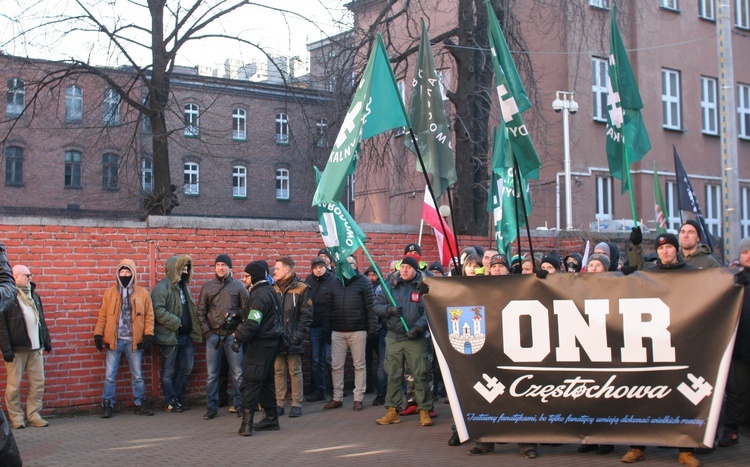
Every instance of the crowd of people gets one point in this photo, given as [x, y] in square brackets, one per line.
[258, 325]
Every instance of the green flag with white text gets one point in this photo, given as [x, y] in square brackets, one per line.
[375, 108]
[430, 124]
[341, 235]
[627, 139]
[513, 100]
[660, 214]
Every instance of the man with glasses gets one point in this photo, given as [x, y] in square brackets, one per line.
[23, 335]
[222, 304]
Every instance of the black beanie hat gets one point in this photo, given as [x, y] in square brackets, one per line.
[695, 225]
[257, 271]
[553, 259]
[224, 258]
[666, 239]
[413, 247]
[411, 261]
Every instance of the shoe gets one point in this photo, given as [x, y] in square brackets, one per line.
[38, 422]
[688, 459]
[633, 455]
[584, 448]
[22, 426]
[173, 407]
[232, 409]
[358, 406]
[433, 414]
[315, 397]
[334, 404]
[379, 400]
[454, 441]
[605, 448]
[106, 409]
[729, 437]
[280, 410]
[183, 405]
[409, 410]
[482, 448]
[529, 453]
[210, 414]
[391, 417]
[246, 427]
[424, 418]
[143, 409]
[268, 423]
[295, 412]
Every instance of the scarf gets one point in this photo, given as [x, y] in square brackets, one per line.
[28, 299]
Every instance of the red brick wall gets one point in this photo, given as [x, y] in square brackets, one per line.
[73, 264]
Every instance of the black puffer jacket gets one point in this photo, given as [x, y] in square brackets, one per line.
[321, 292]
[7, 284]
[263, 301]
[352, 306]
[14, 336]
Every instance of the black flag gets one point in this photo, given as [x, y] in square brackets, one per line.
[687, 200]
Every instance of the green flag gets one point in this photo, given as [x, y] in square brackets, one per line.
[375, 108]
[505, 202]
[341, 235]
[513, 100]
[430, 125]
[660, 214]
[627, 139]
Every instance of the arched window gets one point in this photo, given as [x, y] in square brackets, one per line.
[282, 128]
[192, 121]
[16, 97]
[282, 184]
[192, 172]
[111, 107]
[239, 124]
[72, 169]
[73, 104]
[239, 181]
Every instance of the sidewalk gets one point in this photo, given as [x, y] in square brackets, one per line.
[339, 436]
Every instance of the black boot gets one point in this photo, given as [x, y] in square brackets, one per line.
[106, 409]
[246, 429]
[269, 422]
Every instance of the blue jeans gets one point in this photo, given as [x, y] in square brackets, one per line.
[321, 358]
[213, 362]
[136, 377]
[381, 386]
[176, 365]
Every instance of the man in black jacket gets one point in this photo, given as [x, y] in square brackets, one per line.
[23, 335]
[320, 284]
[261, 330]
[350, 321]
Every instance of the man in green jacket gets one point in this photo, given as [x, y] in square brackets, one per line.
[176, 327]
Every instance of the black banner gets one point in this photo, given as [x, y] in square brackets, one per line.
[594, 358]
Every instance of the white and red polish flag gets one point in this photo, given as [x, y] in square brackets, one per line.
[443, 233]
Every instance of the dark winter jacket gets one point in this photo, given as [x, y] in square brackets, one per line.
[263, 321]
[7, 283]
[297, 312]
[214, 302]
[14, 335]
[407, 296]
[701, 258]
[680, 264]
[742, 341]
[321, 292]
[352, 306]
[168, 307]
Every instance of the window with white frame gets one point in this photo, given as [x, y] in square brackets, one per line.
[742, 14]
[109, 171]
[745, 219]
[673, 207]
[192, 120]
[282, 128]
[145, 119]
[72, 169]
[322, 128]
[604, 198]
[147, 174]
[401, 92]
[743, 110]
[73, 104]
[599, 76]
[16, 97]
[239, 181]
[707, 9]
[331, 84]
[282, 184]
[709, 106]
[111, 107]
[239, 124]
[712, 214]
[191, 171]
[443, 80]
[599, 3]
[668, 4]
[670, 98]
[13, 166]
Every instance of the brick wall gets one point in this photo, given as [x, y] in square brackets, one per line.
[73, 263]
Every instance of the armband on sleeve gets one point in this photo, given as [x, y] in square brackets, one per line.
[255, 315]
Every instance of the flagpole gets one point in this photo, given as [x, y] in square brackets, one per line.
[380, 278]
[516, 180]
[453, 224]
[421, 228]
[432, 194]
[630, 189]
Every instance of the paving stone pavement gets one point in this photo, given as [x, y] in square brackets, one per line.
[339, 437]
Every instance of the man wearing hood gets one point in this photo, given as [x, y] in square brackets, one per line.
[23, 335]
[125, 326]
[320, 284]
[176, 327]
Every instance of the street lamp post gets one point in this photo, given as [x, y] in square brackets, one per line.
[565, 103]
